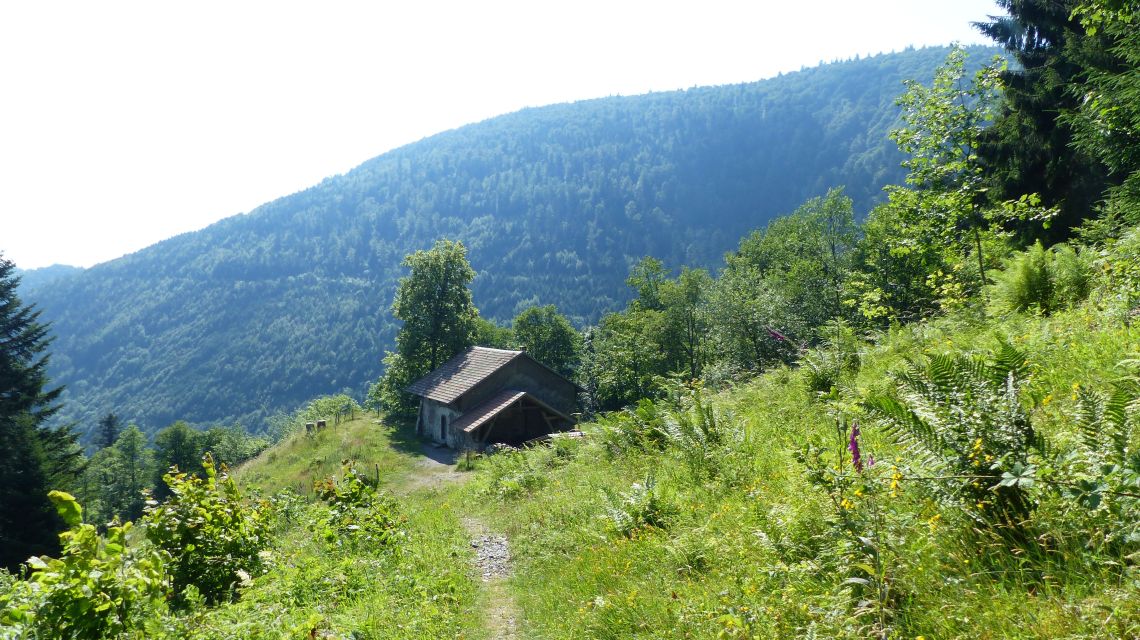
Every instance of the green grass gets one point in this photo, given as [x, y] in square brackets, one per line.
[674, 522]
[749, 547]
[423, 586]
[384, 453]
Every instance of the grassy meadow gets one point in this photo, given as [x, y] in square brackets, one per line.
[752, 522]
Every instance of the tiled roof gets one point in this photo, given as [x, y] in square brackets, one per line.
[458, 375]
[471, 420]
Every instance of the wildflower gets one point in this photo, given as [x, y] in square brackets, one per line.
[895, 478]
[1045, 402]
[933, 522]
[853, 447]
[847, 504]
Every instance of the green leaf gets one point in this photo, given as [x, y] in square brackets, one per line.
[67, 507]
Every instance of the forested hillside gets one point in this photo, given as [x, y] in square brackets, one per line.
[33, 279]
[251, 315]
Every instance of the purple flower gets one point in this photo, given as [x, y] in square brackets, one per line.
[853, 447]
[776, 334]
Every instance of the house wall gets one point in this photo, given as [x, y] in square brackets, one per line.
[524, 374]
[430, 414]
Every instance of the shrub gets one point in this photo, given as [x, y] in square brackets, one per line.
[213, 540]
[513, 473]
[642, 507]
[1105, 478]
[357, 513]
[963, 418]
[1118, 283]
[99, 587]
[697, 432]
[825, 365]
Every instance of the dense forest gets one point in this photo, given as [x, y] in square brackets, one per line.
[243, 319]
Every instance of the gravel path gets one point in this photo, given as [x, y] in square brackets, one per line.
[493, 560]
[492, 556]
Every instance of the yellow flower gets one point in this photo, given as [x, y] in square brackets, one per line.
[933, 522]
[1045, 402]
[847, 504]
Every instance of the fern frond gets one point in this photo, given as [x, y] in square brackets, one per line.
[905, 426]
[1009, 361]
[1116, 421]
[943, 372]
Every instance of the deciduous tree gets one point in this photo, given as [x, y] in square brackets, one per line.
[439, 319]
[549, 338]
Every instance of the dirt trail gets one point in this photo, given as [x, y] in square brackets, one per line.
[493, 559]
[492, 552]
[434, 469]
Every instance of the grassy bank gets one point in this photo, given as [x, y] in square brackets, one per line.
[742, 515]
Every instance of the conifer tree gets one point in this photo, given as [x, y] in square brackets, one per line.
[33, 459]
[108, 430]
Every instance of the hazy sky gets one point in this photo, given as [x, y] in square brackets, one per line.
[124, 123]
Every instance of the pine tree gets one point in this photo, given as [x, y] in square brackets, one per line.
[1030, 149]
[33, 459]
[108, 430]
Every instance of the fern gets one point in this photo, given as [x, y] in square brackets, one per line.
[1108, 422]
[962, 418]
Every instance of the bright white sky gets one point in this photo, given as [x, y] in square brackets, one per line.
[124, 123]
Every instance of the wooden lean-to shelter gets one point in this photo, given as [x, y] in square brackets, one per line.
[484, 396]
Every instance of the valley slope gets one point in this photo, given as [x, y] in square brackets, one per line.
[261, 311]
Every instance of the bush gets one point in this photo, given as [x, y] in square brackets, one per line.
[1105, 476]
[963, 419]
[213, 540]
[825, 365]
[1118, 283]
[100, 587]
[357, 513]
[641, 508]
[513, 473]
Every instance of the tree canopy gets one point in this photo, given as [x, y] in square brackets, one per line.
[439, 320]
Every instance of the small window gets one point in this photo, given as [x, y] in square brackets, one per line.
[443, 427]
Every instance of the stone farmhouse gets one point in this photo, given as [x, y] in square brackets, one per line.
[484, 396]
